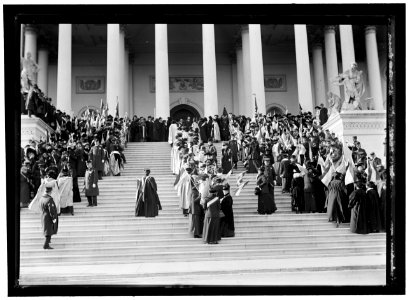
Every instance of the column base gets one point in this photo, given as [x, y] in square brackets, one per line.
[368, 125]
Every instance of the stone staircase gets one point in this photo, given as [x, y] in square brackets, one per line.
[111, 237]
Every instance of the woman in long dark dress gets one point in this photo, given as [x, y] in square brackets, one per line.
[226, 159]
[297, 192]
[227, 221]
[308, 195]
[254, 157]
[372, 208]
[336, 198]
[266, 203]
[211, 233]
[139, 203]
[357, 204]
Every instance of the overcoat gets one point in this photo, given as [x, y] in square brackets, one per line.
[49, 213]
[90, 178]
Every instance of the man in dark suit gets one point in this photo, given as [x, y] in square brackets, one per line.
[150, 129]
[96, 155]
[287, 169]
[323, 116]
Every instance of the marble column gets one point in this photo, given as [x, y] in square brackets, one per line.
[234, 79]
[256, 65]
[161, 72]
[240, 79]
[331, 60]
[347, 46]
[30, 41]
[249, 104]
[22, 40]
[130, 85]
[64, 68]
[42, 76]
[113, 69]
[126, 71]
[122, 101]
[319, 75]
[209, 66]
[373, 68]
[303, 68]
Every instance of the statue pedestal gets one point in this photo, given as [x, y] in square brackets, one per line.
[33, 128]
[367, 125]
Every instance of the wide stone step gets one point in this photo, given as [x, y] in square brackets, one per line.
[207, 252]
[239, 233]
[151, 226]
[74, 223]
[127, 241]
[114, 248]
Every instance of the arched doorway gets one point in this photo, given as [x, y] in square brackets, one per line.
[276, 109]
[183, 111]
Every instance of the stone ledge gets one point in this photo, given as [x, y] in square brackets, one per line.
[33, 128]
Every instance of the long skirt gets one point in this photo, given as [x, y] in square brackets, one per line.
[196, 225]
[266, 204]
[253, 166]
[211, 232]
[310, 202]
[226, 228]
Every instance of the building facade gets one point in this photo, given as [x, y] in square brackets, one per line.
[174, 70]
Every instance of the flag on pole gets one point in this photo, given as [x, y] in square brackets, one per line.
[286, 111]
[117, 113]
[300, 107]
[256, 104]
[101, 106]
[58, 129]
[102, 139]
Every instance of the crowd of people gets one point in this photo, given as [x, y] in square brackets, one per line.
[320, 172]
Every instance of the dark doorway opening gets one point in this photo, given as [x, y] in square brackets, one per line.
[183, 111]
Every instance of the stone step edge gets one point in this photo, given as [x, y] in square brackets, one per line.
[218, 259]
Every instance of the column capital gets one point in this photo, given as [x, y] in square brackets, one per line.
[317, 46]
[123, 28]
[330, 29]
[30, 28]
[370, 29]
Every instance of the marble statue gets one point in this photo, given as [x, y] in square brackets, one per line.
[335, 104]
[28, 72]
[352, 80]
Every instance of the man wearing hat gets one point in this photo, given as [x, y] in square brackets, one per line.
[96, 155]
[91, 184]
[26, 184]
[49, 216]
[150, 195]
[227, 224]
[226, 159]
[233, 146]
[195, 208]
[373, 164]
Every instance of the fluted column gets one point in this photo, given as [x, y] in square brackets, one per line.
[64, 68]
[331, 59]
[113, 68]
[240, 78]
[347, 46]
[373, 68]
[256, 65]
[234, 79]
[319, 75]
[249, 105]
[209, 65]
[161, 72]
[30, 41]
[42, 76]
[22, 40]
[130, 87]
[123, 105]
[126, 71]
[303, 68]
